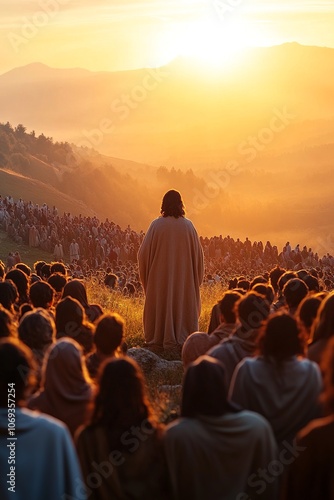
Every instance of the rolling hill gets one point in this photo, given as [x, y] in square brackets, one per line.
[251, 149]
[178, 115]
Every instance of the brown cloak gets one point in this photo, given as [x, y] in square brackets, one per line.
[171, 270]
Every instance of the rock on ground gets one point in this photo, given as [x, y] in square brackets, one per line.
[168, 372]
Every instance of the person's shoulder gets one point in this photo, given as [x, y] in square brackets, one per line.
[221, 348]
[248, 365]
[196, 344]
[44, 421]
[308, 365]
[318, 427]
[197, 337]
[187, 221]
[253, 420]
[189, 224]
[158, 220]
[181, 426]
[156, 224]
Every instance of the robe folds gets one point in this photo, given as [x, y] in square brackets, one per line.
[46, 464]
[220, 458]
[171, 270]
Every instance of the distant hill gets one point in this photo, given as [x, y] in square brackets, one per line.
[78, 180]
[180, 115]
[251, 148]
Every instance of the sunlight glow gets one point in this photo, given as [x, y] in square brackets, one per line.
[214, 44]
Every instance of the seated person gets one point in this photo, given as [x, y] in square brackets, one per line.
[199, 343]
[108, 338]
[252, 311]
[46, 464]
[215, 448]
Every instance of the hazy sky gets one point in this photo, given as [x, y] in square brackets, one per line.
[121, 34]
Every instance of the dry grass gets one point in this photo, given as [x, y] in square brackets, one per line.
[28, 255]
[166, 402]
[131, 308]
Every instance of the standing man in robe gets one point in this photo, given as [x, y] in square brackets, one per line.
[74, 251]
[171, 268]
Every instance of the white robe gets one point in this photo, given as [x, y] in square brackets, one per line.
[171, 270]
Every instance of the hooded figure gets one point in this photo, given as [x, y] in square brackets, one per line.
[66, 391]
[215, 449]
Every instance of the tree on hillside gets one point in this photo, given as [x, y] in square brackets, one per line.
[5, 143]
[7, 128]
[20, 131]
[18, 161]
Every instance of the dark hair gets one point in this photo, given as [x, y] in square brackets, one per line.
[109, 333]
[258, 279]
[302, 273]
[20, 279]
[8, 294]
[266, 290]
[252, 309]
[227, 306]
[172, 204]
[38, 267]
[327, 368]
[46, 271]
[121, 401]
[275, 275]
[308, 309]
[26, 269]
[7, 327]
[71, 322]
[281, 338]
[77, 290]
[2, 270]
[68, 310]
[294, 291]
[41, 294]
[204, 389]
[58, 267]
[24, 308]
[34, 278]
[244, 284]
[17, 367]
[57, 281]
[323, 326]
[129, 289]
[37, 329]
[110, 280]
[284, 278]
[232, 283]
[312, 283]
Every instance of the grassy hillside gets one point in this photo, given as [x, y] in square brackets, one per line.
[27, 188]
[28, 255]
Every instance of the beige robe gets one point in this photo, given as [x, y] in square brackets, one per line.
[171, 270]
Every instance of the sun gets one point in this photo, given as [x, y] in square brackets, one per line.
[212, 43]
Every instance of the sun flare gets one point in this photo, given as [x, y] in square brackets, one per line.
[209, 42]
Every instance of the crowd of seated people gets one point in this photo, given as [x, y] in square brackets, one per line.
[256, 411]
[80, 238]
[88, 244]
